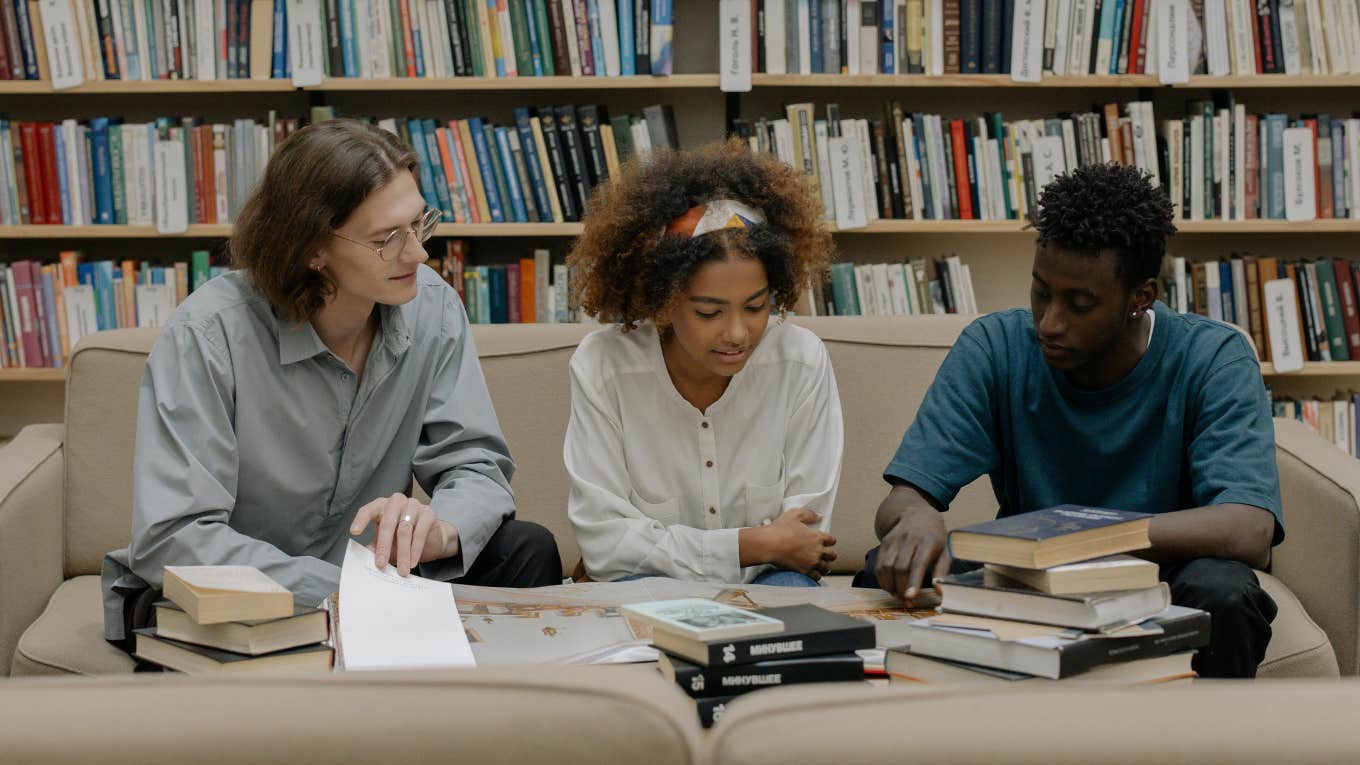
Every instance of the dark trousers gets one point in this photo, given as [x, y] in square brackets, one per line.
[1240, 612]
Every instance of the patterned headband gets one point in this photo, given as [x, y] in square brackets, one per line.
[712, 216]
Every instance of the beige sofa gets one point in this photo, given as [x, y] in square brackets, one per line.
[65, 493]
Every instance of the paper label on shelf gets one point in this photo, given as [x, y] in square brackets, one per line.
[1282, 324]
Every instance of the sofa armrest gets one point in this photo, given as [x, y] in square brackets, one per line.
[30, 530]
[1320, 558]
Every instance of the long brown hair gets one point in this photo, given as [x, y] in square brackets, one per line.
[313, 183]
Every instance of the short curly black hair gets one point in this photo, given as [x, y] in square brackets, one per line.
[628, 272]
[1109, 207]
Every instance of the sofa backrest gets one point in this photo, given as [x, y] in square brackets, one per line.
[883, 368]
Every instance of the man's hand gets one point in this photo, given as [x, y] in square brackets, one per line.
[408, 528]
[790, 542]
[912, 546]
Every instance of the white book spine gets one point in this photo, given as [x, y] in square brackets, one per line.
[305, 43]
[868, 44]
[913, 170]
[775, 62]
[867, 159]
[1331, 25]
[847, 185]
[74, 146]
[205, 54]
[1353, 167]
[820, 137]
[1317, 40]
[1221, 160]
[1289, 38]
[1216, 34]
[805, 37]
[936, 32]
[1239, 206]
[1173, 47]
[609, 35]
[1078, 63]
[1027, 41]
[1197, 179]
[1300, 200]
[1351, 14]
[883, 289]
[734, 22]
[573, 45]
[172, 216]
[1063, 36]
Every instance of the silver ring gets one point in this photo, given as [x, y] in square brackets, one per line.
[406, 518]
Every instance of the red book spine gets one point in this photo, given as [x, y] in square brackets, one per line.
[4, 50]
[25, 294]
[474, 211]
[1253, 164]
[33, 170]
[1350, 313]
[51, 183]
[961, 169]
[558, 29]
[454, 263]
[208, 175]
[1136, 36]
[512, 293]
[1256, 35]
[408, 38]
[583, 38]
[1266, 39]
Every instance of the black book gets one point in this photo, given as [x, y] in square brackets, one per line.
[1097, 7]
[970, 35]
[706, 682]
[1275, 36]
[201, 660]
[557, 158]
[462, 63]
[1007, 38]
[991, 36]
[833, 120]
[1310, 321]
[589, 118]
[572, 147]
[971, 154]
[335, 52]
[808, 631]
[711, 710]
[661, 126]
[946, 289]
[760, 33]
[642, 33]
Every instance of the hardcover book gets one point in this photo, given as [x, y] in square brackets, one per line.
[808, 631]
[1051, 537]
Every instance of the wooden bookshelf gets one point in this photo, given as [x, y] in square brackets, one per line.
[205, 231]
[509, 229]
[966, 81]
[1316, 369]
[148, 87]
[639, 82]
[32, 375]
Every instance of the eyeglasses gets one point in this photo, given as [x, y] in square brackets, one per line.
[391, 247]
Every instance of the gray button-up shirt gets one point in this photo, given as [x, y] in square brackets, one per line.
[255, 447]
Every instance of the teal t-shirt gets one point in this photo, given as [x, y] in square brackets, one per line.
[1190, 426]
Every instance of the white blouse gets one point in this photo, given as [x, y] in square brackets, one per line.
[658, 487]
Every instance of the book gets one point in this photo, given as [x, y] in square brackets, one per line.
[705, 682]
[200, 660]
[253, 637]
[904, 666]
[712, 709]
[1051, 537]
[1116, 572]
[1057, 656]
[808, 631]
[986, 593]
[702, 619]
[216, 594]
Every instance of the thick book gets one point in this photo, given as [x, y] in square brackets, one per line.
[661, 126]
[253, 638]
[705, 682]
[986, 593]
[702, 619]
[808, 631]
[904, 666]
[1051, 537]
[216, 594]
[573, 149]
[1116, 572]
[201, 660]
[712, 709]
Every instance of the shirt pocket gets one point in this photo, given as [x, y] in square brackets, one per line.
[667, 512]
[764, 503]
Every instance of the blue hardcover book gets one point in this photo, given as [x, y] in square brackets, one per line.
[437, 177]
[278, 63]
[888, 55]
[991, 36]
[493, 158]
[26, 34]
[479, 147]
[105, 301]
[1275, 125]
[1105, 30]
[970, 36]
[596, 40]
[814, 21]
[1047, 538]
[627, 39]
[532, 161]
[1227, 299]
[1116, 38]
[49, 299]
[103, 172]
[1340, 160]
[511, 176]
[663, 29]
[349, 44]
[500, 296]
[426, 176]
[538, 39]
[483, 295]
[918, 127]
[63, 183]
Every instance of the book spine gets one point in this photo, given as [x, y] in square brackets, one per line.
[558, 32]
[557, 157]
[1191, 631]
[751, 650]
[707, 682]
[533, 164]
[575, 154]
[480, 149]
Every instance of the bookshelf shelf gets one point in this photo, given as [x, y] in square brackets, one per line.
[32, 375]
[509, 229]
[1316, 369]
[110, 232]
[134, 87]
[964, 81]
[641, 82]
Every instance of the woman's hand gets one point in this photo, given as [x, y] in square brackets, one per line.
[407, 532]
[790, 542]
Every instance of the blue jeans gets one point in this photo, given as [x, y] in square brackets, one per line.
[777, 577]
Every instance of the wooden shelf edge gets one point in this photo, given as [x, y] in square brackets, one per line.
[110, 232]
[963, 81]
[1315, 369]
[32, 375]
[632, 82]
[133, 87]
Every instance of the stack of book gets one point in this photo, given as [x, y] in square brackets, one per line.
[1055, 600]
[716, 652]
[1332, 419]
[233, 619]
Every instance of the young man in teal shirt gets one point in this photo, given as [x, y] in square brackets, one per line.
[1101, 395]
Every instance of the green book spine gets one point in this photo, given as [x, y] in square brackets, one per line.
[474, 38]
[519, 27]
[1331, 311]
[843, 289]
[544, 37]
[470, 294]
[199, 270]
[623, 137]
[397, 50]
[119, 175]
[185, 136]
[501, 188]
[483, 295]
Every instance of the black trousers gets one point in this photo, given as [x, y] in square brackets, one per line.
[1240, 612]
[519, 554]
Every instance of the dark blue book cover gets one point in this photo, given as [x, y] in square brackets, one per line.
[814, 19]
[970, 36]
[492, 155]
[533, 163]
[278, 63]
[1007, 35]
[479, 147]
[1227, 300]
[511, 179]
[437, 177]
[888, 57]
[103, 172]
[500, 295]
[1052, 522]
[29, 51]
[991, 36]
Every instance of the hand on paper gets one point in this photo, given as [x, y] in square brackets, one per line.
[408, 532]
[790, 542]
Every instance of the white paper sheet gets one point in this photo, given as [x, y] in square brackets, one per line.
[392, 622]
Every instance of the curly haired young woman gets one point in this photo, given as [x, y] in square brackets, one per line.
[705, 437]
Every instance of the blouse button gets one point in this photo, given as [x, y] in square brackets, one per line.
[712, 511]
[709, 463]
[703, 425]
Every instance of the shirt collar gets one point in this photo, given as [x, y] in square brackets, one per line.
[298, 342]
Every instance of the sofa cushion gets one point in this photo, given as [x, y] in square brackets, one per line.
[68, 638]
[557, 715]
[101, 425]
[1298, 646]
[1206, 722]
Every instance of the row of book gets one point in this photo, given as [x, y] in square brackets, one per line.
[1027, 38]
[1217, 162]
[531, 290]
[1333, 419]
[46, 309]
[173, 172]
[1057, 598]
[1315, 314]
[911, 288]
[69, 41]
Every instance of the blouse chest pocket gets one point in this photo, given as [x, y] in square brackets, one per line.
[667, 512]
[764, 503]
